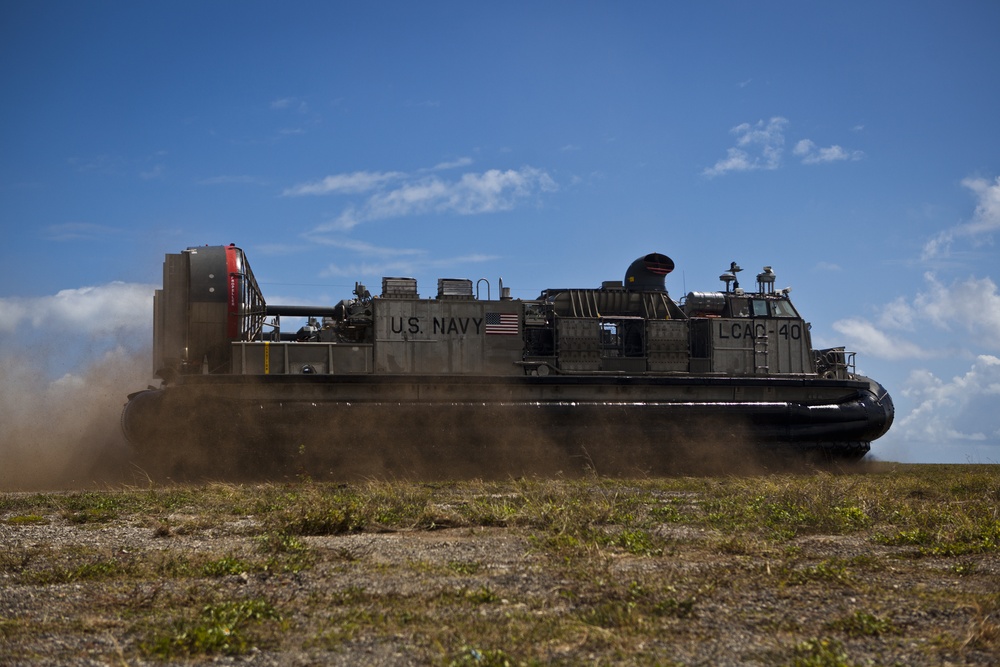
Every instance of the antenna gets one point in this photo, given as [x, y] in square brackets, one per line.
[730, 276]
[765, 281]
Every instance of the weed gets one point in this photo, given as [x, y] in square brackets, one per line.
[674, 608]
[286, 553]
[464, 567]
[561, 544]
[102, 569]
[639, 543]
[95, 570]
[220, 628]
[280, 543]
[862, 624]
[852, 517]
[666, 513]
[916, 536]
[483, 595]
[227, 565]
[964, 568]
[27, 520]
[328, 520]
[819, 653]
[956, 537]
[90, 515]
[738, 546]
[351, 595]
[984, 630]
[831, 570]
[91, 507]
[612, 614]
[498, 510]
[468, 656]
[15, 560]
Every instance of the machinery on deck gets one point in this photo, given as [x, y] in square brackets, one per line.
[613, 377]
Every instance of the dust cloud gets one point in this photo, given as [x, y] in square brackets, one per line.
[392, 441]
[65, 434]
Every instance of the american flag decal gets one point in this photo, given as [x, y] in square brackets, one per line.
[501, 323]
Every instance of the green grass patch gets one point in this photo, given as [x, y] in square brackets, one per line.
[822, 652]
[227, 628]
[862, 624]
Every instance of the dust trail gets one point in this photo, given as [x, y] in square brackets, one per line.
[285, 440]
[65, 433]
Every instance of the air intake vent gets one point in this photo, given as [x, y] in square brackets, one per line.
[454, 288]
[399, 288]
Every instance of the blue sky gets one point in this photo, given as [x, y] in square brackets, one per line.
[853, 146]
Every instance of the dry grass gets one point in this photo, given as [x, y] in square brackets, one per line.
[891, 565]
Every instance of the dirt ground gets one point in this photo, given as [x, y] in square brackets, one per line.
[104, 591]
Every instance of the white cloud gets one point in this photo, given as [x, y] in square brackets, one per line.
[961, 409]
[353, 183]
[866, 338]
[735, 160]
[939, 245]
[971, 305]
[294, 103]
[415, 197]
[985, 219]
[944, 322]
[153, 173]
[898, 314]
[401, 267]
[93, 311]
[344, 222]
[471, 194]
[453, 164]
[363, 247]
[812, 154]
[758, 146]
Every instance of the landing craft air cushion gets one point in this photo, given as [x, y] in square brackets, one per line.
[615, 378]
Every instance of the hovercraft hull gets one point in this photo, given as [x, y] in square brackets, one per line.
[619, 424]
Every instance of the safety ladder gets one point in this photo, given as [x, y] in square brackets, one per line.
[761, 353]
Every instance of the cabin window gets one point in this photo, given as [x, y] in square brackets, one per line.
[759, 308]
[783, 309]
[739, 307]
